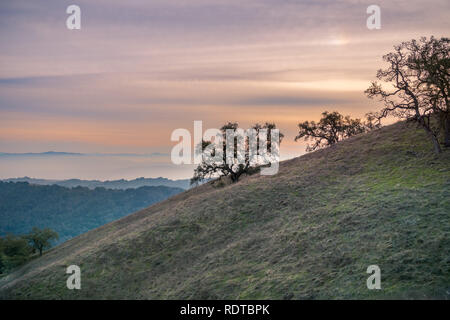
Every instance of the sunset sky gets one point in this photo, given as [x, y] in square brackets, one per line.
[139, 69]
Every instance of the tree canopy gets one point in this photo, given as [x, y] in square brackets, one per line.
[331, 128]
[418, 72]
[225, 157]
[70, 211]
[15, 250]
[41, 239]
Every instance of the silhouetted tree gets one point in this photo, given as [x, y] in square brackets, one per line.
[40, 239]
[418, 71]
[430, 59]
[331, 128]
[232, 168]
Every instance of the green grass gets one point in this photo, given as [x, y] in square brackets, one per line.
[309, 232]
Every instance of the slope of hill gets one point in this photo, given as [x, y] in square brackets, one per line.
[70, 212]
[309, 232]
[113, 184]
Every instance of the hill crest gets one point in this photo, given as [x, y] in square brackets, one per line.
[308, 232]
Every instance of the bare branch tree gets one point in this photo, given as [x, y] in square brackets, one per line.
[331, 128]
[418, 73]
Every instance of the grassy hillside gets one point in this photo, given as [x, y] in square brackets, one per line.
[308, 232]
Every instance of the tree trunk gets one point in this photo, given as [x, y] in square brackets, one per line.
[447, 131]
[235, 176]
[436, 145]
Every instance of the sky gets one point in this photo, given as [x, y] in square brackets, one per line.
[137, 70]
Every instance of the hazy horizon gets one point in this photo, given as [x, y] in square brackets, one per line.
[91, 167]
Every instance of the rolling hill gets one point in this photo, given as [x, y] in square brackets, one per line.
[309, 232]
[70, 211]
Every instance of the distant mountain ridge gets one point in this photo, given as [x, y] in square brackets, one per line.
[47, 153]
[113, 184]
[58, 153]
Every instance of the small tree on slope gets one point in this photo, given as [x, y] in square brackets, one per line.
[331, 128]
[40, 239]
